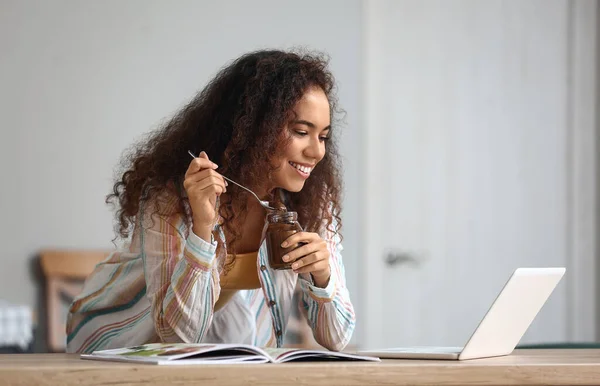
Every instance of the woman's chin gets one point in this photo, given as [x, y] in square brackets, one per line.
[294, 187]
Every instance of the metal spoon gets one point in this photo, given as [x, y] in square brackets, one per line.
[265, 204]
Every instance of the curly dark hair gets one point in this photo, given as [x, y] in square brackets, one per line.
[239, 120]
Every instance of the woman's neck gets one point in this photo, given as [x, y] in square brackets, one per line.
[263, 194]
[250, 230]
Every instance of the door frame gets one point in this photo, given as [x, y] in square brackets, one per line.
[583, 167]
[583, 164]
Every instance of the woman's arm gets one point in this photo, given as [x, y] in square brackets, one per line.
[329, 310]
[181, 277]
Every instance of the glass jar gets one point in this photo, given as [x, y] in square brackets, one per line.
[280, 226]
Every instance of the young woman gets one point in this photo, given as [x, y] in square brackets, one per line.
[194, 267]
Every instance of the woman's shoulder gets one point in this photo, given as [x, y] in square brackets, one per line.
[165, 207]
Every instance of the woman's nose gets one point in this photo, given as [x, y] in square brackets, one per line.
[315, 150]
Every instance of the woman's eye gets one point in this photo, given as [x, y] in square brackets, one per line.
[300, 133]
[324, 139]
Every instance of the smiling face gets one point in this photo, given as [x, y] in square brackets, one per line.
[309, 132]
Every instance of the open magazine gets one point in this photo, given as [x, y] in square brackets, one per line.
[200, 353]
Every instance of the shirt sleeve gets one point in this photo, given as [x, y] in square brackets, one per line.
[329, 310]
[182, 278]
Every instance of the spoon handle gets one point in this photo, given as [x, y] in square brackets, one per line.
[241, 186]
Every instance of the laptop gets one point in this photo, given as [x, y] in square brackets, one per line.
[503, 325]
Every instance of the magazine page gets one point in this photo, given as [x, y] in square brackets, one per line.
[280, 355]
[181, 353]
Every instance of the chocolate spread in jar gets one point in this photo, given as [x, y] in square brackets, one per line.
[281, 226]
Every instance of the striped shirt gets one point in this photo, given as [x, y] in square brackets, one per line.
[163, 285]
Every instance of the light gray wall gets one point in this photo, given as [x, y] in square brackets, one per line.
[80, 80]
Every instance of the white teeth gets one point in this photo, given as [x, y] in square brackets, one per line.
[304, 169]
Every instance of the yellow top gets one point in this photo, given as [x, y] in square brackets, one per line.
[242, 275]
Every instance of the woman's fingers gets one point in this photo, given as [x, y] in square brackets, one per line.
[308, 260]
[195, 178]
[200, 163]
[301, 251]
[298, 237]
[318, 266]
[207, 183]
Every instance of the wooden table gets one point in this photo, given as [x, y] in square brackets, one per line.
[523, 367]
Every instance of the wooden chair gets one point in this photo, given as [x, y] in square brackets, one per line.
[64, 271]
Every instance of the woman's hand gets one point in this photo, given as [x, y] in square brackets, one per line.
[312, 257]
[203, 185]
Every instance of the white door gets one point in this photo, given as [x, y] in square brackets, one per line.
[467, 150]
